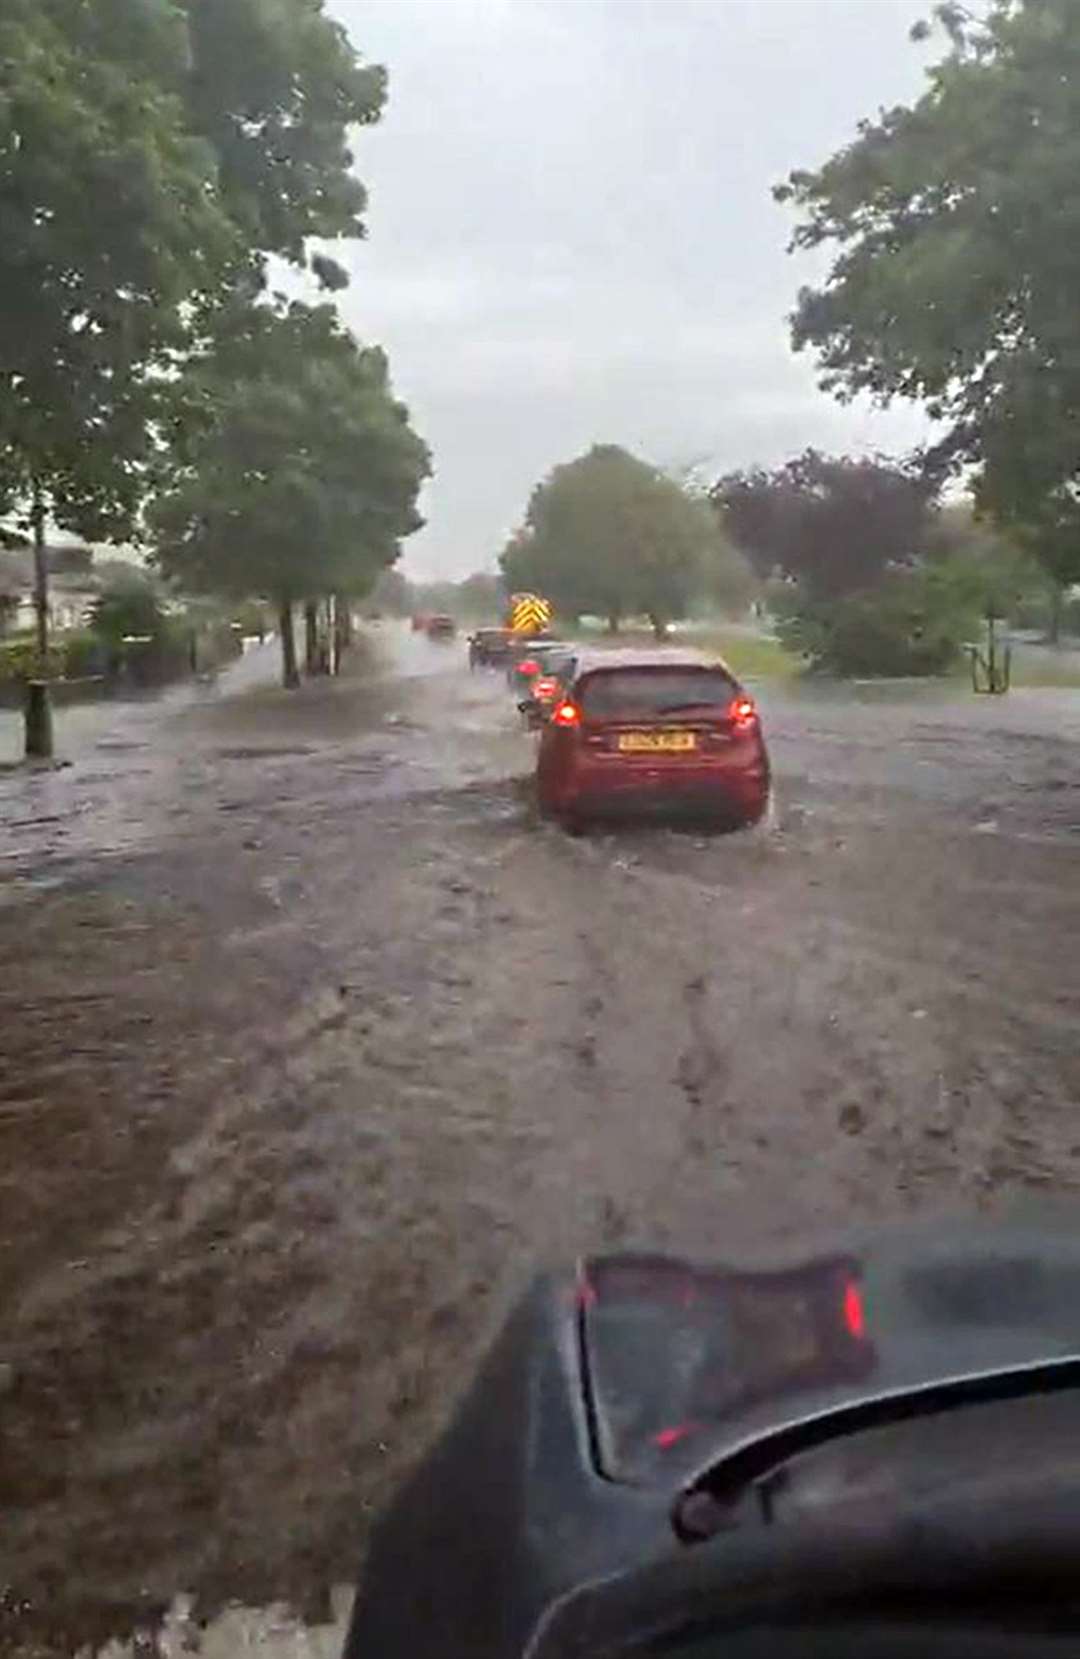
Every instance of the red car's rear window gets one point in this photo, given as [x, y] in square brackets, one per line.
[654, 691]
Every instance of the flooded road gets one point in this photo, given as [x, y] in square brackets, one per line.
[315, 1043]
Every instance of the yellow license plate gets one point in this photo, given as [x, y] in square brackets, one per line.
[657, 742]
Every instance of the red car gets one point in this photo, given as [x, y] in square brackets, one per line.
[658, 732]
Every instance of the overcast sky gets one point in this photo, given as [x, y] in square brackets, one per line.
[572, 238]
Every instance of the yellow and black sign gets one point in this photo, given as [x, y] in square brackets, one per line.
[529, 614]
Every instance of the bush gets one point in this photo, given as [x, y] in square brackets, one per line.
[19, 660]
[911, 624]
[82, 654]
[129, 605]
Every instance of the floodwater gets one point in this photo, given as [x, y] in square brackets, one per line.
[316, 1043]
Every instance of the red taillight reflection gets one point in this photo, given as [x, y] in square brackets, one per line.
[854, 1312]
[585, 1294]
[742, 711]
[567, 714]
[671, 1437]
[545, 687]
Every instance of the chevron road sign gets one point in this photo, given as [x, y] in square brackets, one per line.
[529, 614]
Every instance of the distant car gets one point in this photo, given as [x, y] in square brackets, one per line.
[518, 648]
[548, 688]
[419, 623]
[441, 627]
[653, 733]
[530, 659]
[488, 647]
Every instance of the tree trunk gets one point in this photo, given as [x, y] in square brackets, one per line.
[613, 624]
[345, 613]
[41, 578]
[290, 673]
[1057, 605]
[341, 629]
[311, 636]
[659, 627]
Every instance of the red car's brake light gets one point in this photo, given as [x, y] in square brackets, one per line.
[741, 712]
[545, 687]
[566, 714]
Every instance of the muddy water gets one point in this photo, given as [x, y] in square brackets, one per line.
[318, 1043]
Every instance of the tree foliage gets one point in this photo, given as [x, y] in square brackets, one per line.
[294, 472]
[981, 568]
[274, 87]
[128, 604]
[609, 535]
[955, 232]
[393, 593]
[917, 612]
[153, 155]
[109, 221]
[834, 523]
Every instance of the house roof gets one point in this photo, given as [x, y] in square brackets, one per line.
[17, 570]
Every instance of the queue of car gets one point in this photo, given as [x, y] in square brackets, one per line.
[658, 733]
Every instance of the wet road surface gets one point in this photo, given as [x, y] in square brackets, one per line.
[315, 1043]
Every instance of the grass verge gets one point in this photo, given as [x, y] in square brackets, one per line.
[750, 655]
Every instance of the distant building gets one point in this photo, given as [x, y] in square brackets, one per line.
[73, 587]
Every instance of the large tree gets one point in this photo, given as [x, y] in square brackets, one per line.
[293, 472]
[109, 222]
[955, 231]
[153, 154]
[833, 523]
[611, 536]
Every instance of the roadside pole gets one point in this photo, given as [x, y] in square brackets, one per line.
[38, 713]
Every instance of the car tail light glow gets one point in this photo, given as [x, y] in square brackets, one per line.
[528, 666]
[566, 714]
[546, 687]
[742, 711]
[854, 1313]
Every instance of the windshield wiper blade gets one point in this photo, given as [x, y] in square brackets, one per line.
[724, 1480]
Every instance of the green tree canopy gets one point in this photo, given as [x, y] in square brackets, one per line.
[153, 155]
[294, 471]
[955, 229]
[274, 86]
[110, 219]
[611, 536]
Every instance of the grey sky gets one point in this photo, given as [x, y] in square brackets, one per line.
[572, 237]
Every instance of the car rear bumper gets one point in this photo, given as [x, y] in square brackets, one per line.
[738, 793]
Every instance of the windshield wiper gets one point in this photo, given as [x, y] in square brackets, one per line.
[760, 1455]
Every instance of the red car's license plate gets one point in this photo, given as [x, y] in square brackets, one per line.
[657, 742]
